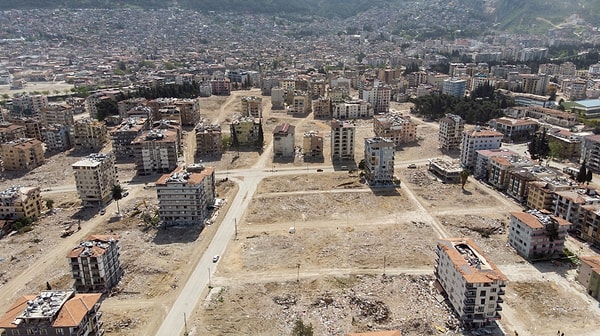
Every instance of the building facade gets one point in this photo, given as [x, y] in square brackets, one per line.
[53, 313]
[184, 197]
[475, 140]
[589, 275]
[89, 135]
[312, 145]
[473, 284]
[536, 234]
[20, 202]
[379, 161]
[284, 140]
[156, 151]
[252, 106]
[451, 131]
[96, 264]
[209, 139]
[123, 135]
[342, 140]
[22, 154]
[95, 177]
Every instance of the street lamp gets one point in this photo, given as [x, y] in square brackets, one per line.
[298, 274]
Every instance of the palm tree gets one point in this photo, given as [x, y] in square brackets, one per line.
[117, 194]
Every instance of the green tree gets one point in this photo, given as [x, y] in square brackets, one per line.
[464, 176]
[589, 176]
[556, 149]
[49, 203]
[361, 164]
[225, 142]
[582, 174]
[539, 148]
[552, 230]
[117, 194]
[235, 142]
[260, 139]
[301, 329]
[105, 108]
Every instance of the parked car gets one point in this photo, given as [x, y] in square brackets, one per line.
[412, 166]
[125, 194]
[216, 258]
[319, 170]
[102, 212]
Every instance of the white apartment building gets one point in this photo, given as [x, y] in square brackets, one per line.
[536, 234]
[342, 140]
[184, 197]
[451, 132]
[454, 87]
[283, 140]
[475, 140]
[473, 284]
[351, 109]
[95, 263]
[379, 161]
[95, 177]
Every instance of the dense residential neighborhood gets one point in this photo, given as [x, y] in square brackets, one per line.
[378, 174]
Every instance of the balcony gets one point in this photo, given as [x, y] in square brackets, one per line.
[468, 310]
[498, 308]
[471, 294]
[501, 292]
[469, 302]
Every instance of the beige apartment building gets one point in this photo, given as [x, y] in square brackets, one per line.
[379, 161]
[536, 234]
[89, 135]
[10, 132]
[541, 194]
[475, 140]
[283, 140]
[95, 177]
[209, 139]
[156, 151]
[20, 202]
[54, 312]
[22, 154]
[342, 140]
[451, 131]
[123, 135]
[189, 110]
[396, 127]
[95, 263]
[321, 107]
[312, 145]
[57, 113]
[252, 106]
[184, 197]
[473, 284]
[589, 275]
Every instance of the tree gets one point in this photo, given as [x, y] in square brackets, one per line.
[556, 149]
[260, 139]
[301, 329]
[117, 194]
[589, 176]
[464, 176]
[361, 164]
[539, 148]
[105, 108]
[49, 204]
[225, 141]
[235, 142]
[582, 174]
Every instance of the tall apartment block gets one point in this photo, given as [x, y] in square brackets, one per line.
[473, 284]
[321, 107]
[351, 109]
[300, 103]
[252, 106]
[536, 234]
[396, 127]
[209, 139]
[277, 98]
[312, 145]
[342, 140]
[89, 135]
[451, 131]
[246, 130]
[475, 140]
[57, 113]
[20, 202]
[283, 140]
[10, 132]
[95, 263]
[184, 197]
[454, 87]
[156, 151]
[22, 154]
[379, 161]
[95, 177]
[123, 135]
[33, 127]
[189, 110]
[57, 137]
[590, 152]
[54, 312]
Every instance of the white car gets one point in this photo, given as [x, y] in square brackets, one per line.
[216, 258]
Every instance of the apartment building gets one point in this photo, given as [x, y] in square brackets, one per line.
[445, 170]
[451, 131]
[514, 129]
[541, 194]
[252, 106]
[54, 312]
[57, 138]
[342, 140]
[473, 284]
[396, 127]
[95, 264]
[170, 113]
[33, 127]
[284, 141]
[123, 135]
[351, 109]
[537, 234]
[321, 107]
[156, 151]
[10, 132]
[89, 135]
[379, 161]
[312, 145]
[246, 130]
[574, 89]
[300, 103]
[95, 177]
[589, 226]
[277, 98]
[589, 275]
[189, 111]
[543, 114]
[454, 87]
[590, 152]
[124, 106]
[20, 202]
[57, 113]
[569, 206]
[28, 105]
[22, 154]
[221, 87]
[475, 140]
[209, 139]
[184, 197]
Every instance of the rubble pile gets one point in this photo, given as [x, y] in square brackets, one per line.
[373, 309]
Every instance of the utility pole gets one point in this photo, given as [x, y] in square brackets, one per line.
[185, 324]
[209, 286]
[383, 265]
[298, 274]
[235, 223]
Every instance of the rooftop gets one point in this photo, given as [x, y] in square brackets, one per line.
[470, 260]
[93, 246]
[536, 219]
[180, 175]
